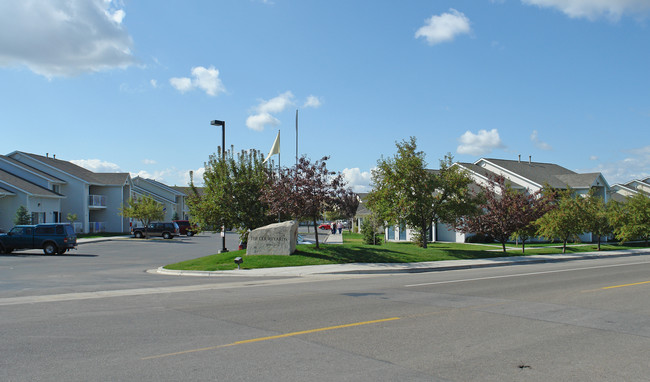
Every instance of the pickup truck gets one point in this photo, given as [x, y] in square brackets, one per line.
[51, 238]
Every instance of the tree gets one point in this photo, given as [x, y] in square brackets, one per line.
[566, 220]
[631, 219]
[71, 217]
[597, 220]
[22, 216]
[405, 191]
[369, 231]
[506, 212]
[349, 203]
[232, 193]
[144, 209]
[304, 191]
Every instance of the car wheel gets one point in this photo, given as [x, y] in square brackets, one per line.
[138, 235]
[62, 251]
[190, 234]
[49, 249]
[167, 235]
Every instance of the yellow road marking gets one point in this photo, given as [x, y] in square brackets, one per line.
[273, 337]
[624, 285]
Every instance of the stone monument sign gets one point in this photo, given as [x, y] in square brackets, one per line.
[273, 239]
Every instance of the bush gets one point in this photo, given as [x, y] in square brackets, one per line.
[370, 237]
[479, 238]
[22, 216]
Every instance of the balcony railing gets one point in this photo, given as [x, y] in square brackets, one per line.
[96, 201]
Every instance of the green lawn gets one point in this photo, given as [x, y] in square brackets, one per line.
[354, 251]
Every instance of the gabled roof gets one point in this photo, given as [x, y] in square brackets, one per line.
[5, 192]
[172, 190]
[100, 179]
[540, 173]
[31, 169]
[580, 180]
[113, 178]
[546, 173]
[12, 181]
[484, 173]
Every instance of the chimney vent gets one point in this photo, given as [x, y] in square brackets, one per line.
[519, 160]
[530, 159]
[47, 155]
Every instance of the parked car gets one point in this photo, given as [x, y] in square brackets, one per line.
[186, 228]
[325, 226]
[52, 238]
[166, 230]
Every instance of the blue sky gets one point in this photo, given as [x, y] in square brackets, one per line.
[132, 86]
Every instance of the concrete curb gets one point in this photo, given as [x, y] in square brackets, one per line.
[397, 268]
[101, 239]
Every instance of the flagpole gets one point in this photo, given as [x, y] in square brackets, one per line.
[279, 141]
[296, 138]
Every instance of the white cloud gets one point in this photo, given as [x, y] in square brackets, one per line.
[263, 110]
[97, 165]
[198, 177]
[276, 104]
[206, 79]
[257, 122]
[593, 157]
[594, 9]
[181, 84]
[149, 161]
[312, 101]
[154, 83]
[358, 180]
[534, 137]
[635, 166]
[63, 37]
[445, 27]
[481, 143]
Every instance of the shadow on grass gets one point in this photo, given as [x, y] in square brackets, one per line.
[393, 253]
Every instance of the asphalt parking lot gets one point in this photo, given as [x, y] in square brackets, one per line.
[120, 263]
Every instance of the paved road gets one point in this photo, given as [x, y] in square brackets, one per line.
[576, 321]
[118, 264]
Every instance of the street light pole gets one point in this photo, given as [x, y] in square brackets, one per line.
[223, 158]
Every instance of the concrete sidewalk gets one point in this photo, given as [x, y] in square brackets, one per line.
[387, 268]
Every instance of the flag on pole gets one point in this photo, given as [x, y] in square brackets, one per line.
[275, 149]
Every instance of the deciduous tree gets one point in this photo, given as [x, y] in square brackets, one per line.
[232, 192]
[144, 209]
[631, 219]
[506, 212]
[567, 220]
[404, 190]
[597, 220]
[304, 191]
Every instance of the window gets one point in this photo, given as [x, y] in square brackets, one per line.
[391, 233]
[38, 217]
[45, 230]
